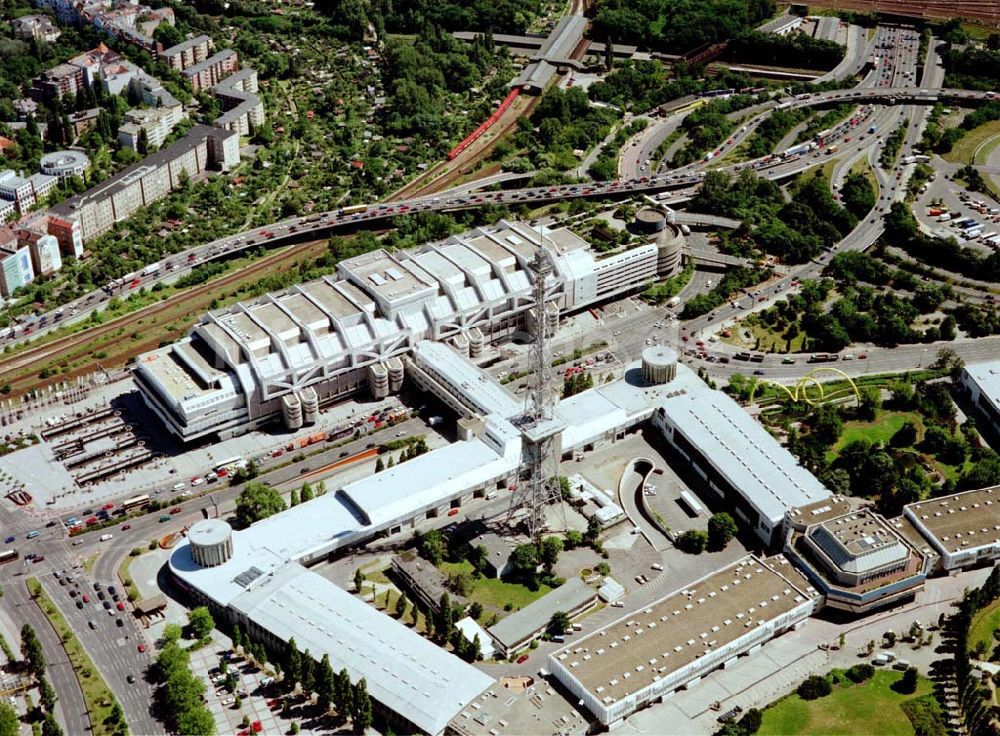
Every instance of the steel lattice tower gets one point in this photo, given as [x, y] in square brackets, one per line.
[539, 485]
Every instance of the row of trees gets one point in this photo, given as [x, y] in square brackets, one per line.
[34, 664]
[677, 26]
[179, 693]
[331, 689]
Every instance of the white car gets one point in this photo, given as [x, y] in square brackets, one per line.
[197, 481]
[180, 486]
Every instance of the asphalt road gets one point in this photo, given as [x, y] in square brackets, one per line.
[113, 648]
[71, 711]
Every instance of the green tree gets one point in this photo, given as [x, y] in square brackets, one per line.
[342, 693]
[307, 493]
[47, 695]
[814, 687]
[31, 649]
[431, 546]
[445, 622]
[9, 722]
[401, 605]
[257, 501]
[308, 677]
[549, 552]
[196, 722]
[693, 541]
[200, 622]
[905, 436]
[325, 683]
[50, 727]
[293, 664]
[293, 498]
[379, 465]
[361, 707]
[908, 682]
[869, 403]
[476, 610]
[721, 529]
[559, 623]
[524, 564]
[359, 580]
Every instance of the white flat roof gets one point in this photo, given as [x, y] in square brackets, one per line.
[428, 480]
[476, 385]
[740, 449]
[404, 671]
[987, 377]
[630, 400]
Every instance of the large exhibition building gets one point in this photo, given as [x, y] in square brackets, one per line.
[286, 354]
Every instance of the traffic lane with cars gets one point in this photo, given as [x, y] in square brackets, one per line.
[324, 221]
[112, 640]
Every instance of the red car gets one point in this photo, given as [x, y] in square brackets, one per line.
[175, 510]
[141, 647]
[108, 506]
[121, 606]
[86, 598]
[126, 527]
[522, 659]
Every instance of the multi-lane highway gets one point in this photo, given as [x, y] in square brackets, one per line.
[317, 225]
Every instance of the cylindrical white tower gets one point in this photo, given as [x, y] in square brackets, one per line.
[659, 364]
[211, 542]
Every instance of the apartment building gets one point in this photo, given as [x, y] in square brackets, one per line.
[38, 27]
[211, 71]
[60, 80]
[15, 269]
[187, 53]
[157, 122]
[244, 110]
[141, 184]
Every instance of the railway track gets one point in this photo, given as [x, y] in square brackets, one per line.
[986, 12]
[80, 344]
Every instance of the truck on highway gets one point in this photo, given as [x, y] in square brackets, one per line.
[972, 233]
[795, 150]
[909, 159]
[832, 149]
[872, 128]
[151, 269]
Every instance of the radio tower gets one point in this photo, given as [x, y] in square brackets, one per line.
[539, 485]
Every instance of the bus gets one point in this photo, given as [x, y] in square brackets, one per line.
[136, 502]
[8, 556]
[353, 209]
[228, 466]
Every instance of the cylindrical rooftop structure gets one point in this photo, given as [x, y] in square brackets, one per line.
[211, 542]
[649, 220]
[64, 164]
[659, 364]
[669, 251]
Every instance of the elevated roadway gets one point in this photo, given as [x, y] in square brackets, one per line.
[299, 229]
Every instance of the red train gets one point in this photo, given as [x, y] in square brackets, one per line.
[474, 135]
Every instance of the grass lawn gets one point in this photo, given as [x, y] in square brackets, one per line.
[96, 695]
[964, 150]
[886, 424]
[870, 708]
[983, 625]
[496, 594]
